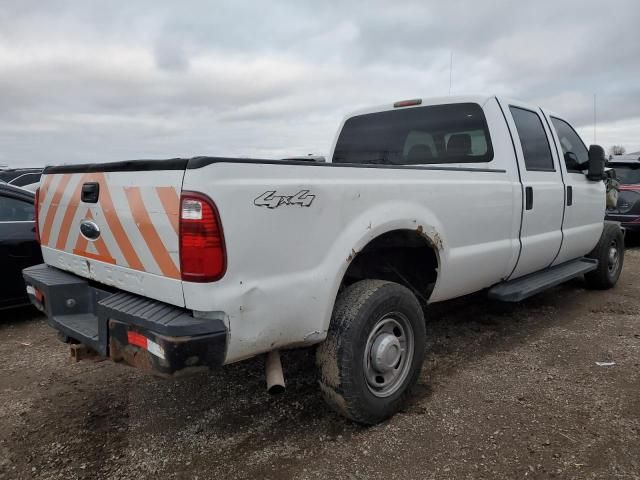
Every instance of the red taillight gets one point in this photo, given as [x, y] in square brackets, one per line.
[137, 339]
[202, 250]
[36, 206]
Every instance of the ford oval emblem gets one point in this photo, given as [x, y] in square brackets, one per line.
[89, 230]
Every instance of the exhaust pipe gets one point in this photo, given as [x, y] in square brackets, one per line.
[275, 376]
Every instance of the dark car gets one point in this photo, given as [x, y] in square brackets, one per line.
[18, 245]
[627, 210]
[20, 176]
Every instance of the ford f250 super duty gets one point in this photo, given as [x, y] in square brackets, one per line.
[181, 264]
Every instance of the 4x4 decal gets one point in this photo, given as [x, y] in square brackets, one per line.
[271, 199]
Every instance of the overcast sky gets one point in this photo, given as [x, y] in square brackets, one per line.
[91, 81]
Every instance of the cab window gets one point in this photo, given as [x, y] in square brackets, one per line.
[576, 155]
[533, 139]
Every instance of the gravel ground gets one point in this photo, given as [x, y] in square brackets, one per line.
[507, 391]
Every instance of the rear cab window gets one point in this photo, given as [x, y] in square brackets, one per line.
[426, 135]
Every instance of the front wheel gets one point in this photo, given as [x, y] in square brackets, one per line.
[610, 255]
[373, 352]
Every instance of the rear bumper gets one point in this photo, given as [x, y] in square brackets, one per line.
[128, 328]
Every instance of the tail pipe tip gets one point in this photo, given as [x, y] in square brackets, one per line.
[274, 373]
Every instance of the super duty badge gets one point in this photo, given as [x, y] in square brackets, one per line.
[272, 199]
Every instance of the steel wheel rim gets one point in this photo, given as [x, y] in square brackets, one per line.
[388, 354]
[614, 256]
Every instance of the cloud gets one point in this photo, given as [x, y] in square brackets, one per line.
[100, 81]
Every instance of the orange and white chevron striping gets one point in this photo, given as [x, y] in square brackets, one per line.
[138, 222]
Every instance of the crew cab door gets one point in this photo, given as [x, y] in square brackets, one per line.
[584, 199]
[542, 188]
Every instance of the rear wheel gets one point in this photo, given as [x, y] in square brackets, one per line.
[610, 255]
[373, 352]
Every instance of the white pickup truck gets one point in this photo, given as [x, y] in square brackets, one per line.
[181, 264]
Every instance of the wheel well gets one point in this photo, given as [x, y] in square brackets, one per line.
[403, 256]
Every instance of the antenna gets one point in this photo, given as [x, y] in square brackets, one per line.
[450, 70]
[595, 120]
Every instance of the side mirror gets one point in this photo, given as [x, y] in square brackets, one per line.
[596, 163]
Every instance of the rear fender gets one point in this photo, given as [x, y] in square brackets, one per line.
[371, 224]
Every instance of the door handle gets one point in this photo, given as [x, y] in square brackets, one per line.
[528, 195]
[569, 195]
[90, 192]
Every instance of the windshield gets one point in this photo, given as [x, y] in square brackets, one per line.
[455, 133]
[627, 174]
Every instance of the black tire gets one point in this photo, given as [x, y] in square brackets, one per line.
[359, 312]
[609, 265]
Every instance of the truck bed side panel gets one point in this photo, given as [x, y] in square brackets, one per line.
[292, 231]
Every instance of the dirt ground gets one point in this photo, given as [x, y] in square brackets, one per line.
[507, 391]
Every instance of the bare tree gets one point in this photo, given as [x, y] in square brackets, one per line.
[617, 150]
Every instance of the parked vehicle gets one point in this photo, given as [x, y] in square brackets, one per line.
[18, 246]
[627, 209]
[187, 263]
[20, 177]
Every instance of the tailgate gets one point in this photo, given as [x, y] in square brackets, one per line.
[127, 237]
